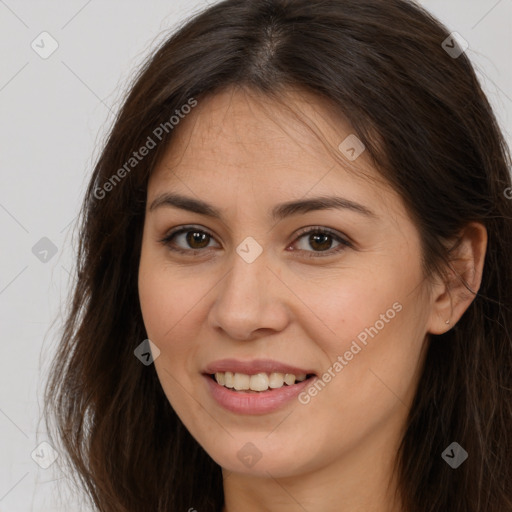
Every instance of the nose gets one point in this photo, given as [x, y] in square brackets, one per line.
[250, 300]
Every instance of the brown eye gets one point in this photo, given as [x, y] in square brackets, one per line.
[197, 237]
[187, 239]
[191, 240]
[321, 240]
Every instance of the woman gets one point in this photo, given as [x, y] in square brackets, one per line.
[294, 286]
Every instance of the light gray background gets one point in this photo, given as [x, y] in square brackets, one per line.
[54, 113]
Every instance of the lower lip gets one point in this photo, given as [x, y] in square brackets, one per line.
[255, 403]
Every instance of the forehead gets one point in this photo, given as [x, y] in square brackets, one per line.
[248, 118]
[241, 127]
[244, 140]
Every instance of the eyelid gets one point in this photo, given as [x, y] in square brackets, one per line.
[342, 239]
[184, 229]
[322, 229]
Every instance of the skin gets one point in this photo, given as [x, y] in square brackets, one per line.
[244, 154]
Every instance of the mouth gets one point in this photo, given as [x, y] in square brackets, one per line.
[257, 386]
[258, 392]
[258, 383]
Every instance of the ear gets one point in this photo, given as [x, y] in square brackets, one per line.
[450, 297]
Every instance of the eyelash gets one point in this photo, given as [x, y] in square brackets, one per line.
[307, 231]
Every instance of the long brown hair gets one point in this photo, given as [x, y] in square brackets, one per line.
[431, 132]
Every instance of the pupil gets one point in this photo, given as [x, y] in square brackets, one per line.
[325, 244]
[196, 236]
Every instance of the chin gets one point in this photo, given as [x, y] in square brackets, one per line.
[261, 458]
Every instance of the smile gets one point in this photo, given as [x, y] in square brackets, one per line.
[257, 393]
[258, 382]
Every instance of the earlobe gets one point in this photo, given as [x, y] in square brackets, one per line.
[452, 297]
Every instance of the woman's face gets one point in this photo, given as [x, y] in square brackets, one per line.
[265, 295]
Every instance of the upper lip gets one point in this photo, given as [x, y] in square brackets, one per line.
[253, 367]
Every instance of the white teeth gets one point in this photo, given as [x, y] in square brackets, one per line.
[289, 379]
[241, 381]
[257, 382]
[276, 380]
[229, 380]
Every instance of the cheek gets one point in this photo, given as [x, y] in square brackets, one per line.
[164, 297]
[170, 300]
[164, 305]
[164, 309]
[156, 303]
[360, 304]
[376, 322]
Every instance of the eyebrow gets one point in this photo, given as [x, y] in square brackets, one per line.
[279, 211]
